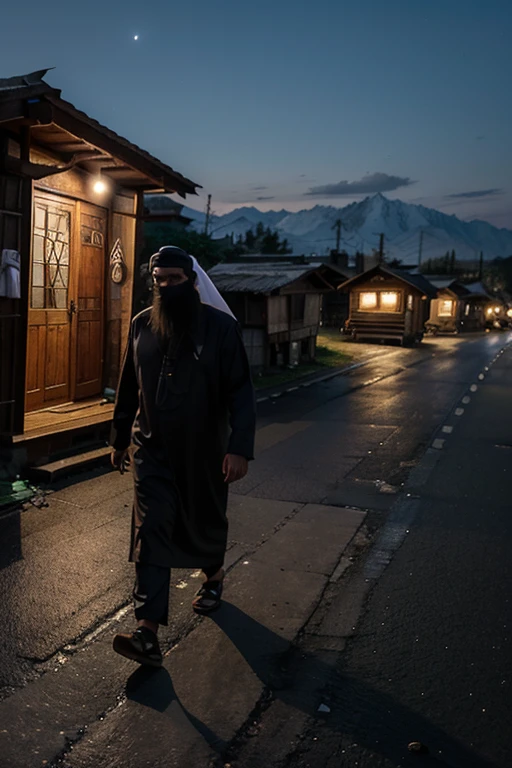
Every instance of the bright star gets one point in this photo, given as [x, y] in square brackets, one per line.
[135, 37]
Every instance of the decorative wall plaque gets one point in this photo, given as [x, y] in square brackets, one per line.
[118, 271]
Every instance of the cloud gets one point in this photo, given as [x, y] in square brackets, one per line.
[479, 138]
[368, 185]
[475, 193]
[258, 189]
[266, 198]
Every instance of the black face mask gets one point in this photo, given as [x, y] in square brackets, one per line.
[179, 301]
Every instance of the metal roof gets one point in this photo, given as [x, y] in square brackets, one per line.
[32, 88]
[263, 278]
[478, 289]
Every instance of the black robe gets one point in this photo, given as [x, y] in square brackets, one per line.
[182, 411]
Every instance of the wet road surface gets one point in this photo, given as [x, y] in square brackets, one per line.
[349, 442]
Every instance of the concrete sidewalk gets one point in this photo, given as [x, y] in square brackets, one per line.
[281, 558]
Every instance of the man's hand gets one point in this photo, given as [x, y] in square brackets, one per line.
[234, 468]
[120, 460]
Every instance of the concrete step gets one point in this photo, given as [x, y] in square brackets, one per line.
[50, 472]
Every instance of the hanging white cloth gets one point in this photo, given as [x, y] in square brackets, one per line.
[207, 291]
[10, 274]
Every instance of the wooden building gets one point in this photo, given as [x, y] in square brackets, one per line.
[159, 209]
[388, 305]
[458, 308]
[278, 307]
[449, 310]
[71, 210]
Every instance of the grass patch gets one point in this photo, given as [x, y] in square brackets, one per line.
[331, 352]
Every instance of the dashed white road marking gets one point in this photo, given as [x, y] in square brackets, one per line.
[447, 430]
[438, 443]
[473, 388]
[481, 376]
[459, 411]
[466, 399]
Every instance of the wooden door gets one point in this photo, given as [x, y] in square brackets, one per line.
[49, 320]
[90, 304]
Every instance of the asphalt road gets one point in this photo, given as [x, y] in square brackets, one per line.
[425, 658]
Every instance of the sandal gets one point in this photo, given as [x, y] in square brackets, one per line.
[208, 598]
[142, 646]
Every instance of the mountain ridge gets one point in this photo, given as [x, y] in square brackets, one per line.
[312, 230]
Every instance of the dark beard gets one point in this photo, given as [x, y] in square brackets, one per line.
[162, 323]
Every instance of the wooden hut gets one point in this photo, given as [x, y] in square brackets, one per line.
[450, 311]
[388, 305]
[71, 210]
[278, 307]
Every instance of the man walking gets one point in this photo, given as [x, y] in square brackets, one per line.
[185, 405]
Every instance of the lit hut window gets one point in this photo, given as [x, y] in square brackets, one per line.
[446, 308]
[466, 311]
[389, 301]
[367, 301]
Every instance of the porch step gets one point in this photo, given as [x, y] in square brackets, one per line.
[50, 472]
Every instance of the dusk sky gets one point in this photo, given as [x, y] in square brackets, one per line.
[289, 104]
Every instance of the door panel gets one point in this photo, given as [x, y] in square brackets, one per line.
[49, 322]
[91, 278]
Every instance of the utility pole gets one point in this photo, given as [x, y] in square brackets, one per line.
[208, 214]
[420, 254]
[337, 227]
[381, 248]
[481, 268]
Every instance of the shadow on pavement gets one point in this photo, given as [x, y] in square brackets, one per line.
[368, 717]
[359, 713]
[153, 688]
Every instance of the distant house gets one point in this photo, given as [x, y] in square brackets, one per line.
[278, 307]
[163, 210]
[71, 217]
[452, 311]
[388, 304]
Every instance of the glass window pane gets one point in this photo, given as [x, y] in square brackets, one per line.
[61, 278]
[38, 275]
[389, 301]
[37, 298]
[60, 298]
[39, 217]
[445, 308]
[38, 249]
[367, 300]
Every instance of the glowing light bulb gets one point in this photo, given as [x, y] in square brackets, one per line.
[100, 187]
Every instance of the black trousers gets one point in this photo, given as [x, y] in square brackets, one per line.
[151, 591]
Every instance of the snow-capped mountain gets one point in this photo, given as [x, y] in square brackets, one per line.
[312, 230]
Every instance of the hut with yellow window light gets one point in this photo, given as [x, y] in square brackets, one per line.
[455, 309]
[388, 305]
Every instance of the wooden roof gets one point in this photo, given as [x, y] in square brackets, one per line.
[419, 282]
[71, 136]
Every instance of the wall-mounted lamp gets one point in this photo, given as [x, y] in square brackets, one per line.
[100, 187]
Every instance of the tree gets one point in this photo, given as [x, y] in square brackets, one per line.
[270, 242]
[250, 239]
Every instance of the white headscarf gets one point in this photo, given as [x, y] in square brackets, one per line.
[207, 290]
